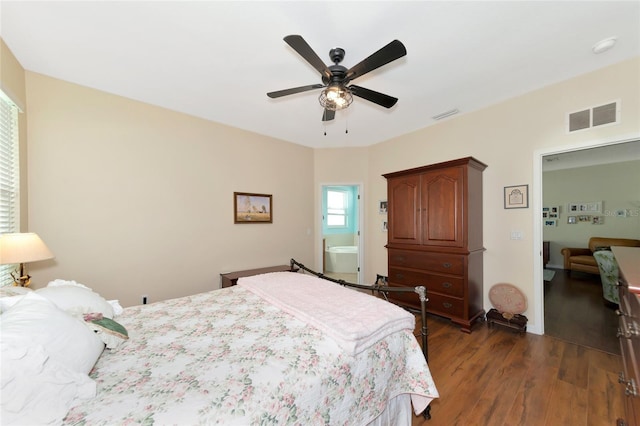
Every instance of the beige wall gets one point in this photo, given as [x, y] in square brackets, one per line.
[135, 199]
[13, 85]
[617, 186]
[345, 166]
[507, 137]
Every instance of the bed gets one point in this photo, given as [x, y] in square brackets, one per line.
[245, 355]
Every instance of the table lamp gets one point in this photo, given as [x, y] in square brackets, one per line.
[22, 248]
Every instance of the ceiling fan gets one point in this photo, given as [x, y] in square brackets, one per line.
[337, 94]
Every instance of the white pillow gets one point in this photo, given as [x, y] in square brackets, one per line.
[13, 290]
[76, 300]
[58, 281]
[8, 301]
[35, 388]
[10, 295]
[117, 307]
[34, 320]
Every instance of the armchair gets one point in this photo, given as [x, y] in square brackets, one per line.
[608, 274]
[581, 259]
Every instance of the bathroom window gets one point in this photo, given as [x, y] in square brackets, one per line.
[337, 208]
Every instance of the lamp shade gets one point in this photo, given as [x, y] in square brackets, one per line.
[22, 248]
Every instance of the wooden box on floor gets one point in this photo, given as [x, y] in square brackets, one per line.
[517, 322]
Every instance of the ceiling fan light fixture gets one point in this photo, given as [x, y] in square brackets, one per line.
[335, 97]
[335, 78]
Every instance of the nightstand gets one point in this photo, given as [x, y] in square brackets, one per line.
[231, 278]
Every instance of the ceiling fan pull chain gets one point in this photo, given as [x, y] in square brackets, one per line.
[346, 126]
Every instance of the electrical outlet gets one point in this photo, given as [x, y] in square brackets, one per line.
[145, 299]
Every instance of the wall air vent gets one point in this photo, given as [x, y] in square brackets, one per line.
[593, 117]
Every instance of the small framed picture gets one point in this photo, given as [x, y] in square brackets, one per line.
[621, 213]
[252, 208]
[598, 220]
[516, 197]
[585, 208]
[594, 207]
[572, 220]
[550, 222]
[382, 206]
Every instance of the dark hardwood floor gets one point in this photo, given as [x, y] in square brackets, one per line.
[575, 311]
[495, 376]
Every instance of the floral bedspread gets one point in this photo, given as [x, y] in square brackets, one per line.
[228, 357]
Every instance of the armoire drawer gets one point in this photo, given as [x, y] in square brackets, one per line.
[433, 262]
[447, 306]
[437, 303]
[406, 298]
[433, 282]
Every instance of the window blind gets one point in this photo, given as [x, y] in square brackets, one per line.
[9, 176]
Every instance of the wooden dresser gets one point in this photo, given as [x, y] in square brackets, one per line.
[435, 237]
[628, 259]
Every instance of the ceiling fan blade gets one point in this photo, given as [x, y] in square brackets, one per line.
[373, 96]
[294, 90]
[389, 53]
[328, 115]
[302, 47]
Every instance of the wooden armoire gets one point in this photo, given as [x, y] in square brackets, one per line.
[435, 237]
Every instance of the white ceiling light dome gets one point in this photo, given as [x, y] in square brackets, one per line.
[604, 45]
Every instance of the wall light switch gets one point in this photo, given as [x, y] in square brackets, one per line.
[516, 235]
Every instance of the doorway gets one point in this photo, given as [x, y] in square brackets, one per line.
[537, 194]
[341, 238]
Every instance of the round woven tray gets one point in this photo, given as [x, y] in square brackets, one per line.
[508, 298]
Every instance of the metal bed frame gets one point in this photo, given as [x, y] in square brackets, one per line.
[384, 290]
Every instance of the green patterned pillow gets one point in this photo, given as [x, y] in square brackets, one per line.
[112, 333]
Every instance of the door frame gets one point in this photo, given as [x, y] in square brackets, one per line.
[319, 235]
[538, 155]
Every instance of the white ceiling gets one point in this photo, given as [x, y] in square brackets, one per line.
[217, 60]
[616, 153]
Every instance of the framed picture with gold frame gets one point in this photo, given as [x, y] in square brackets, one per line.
[252, 208]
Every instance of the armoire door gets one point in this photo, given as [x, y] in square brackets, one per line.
[404, 210]
[442, 209]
